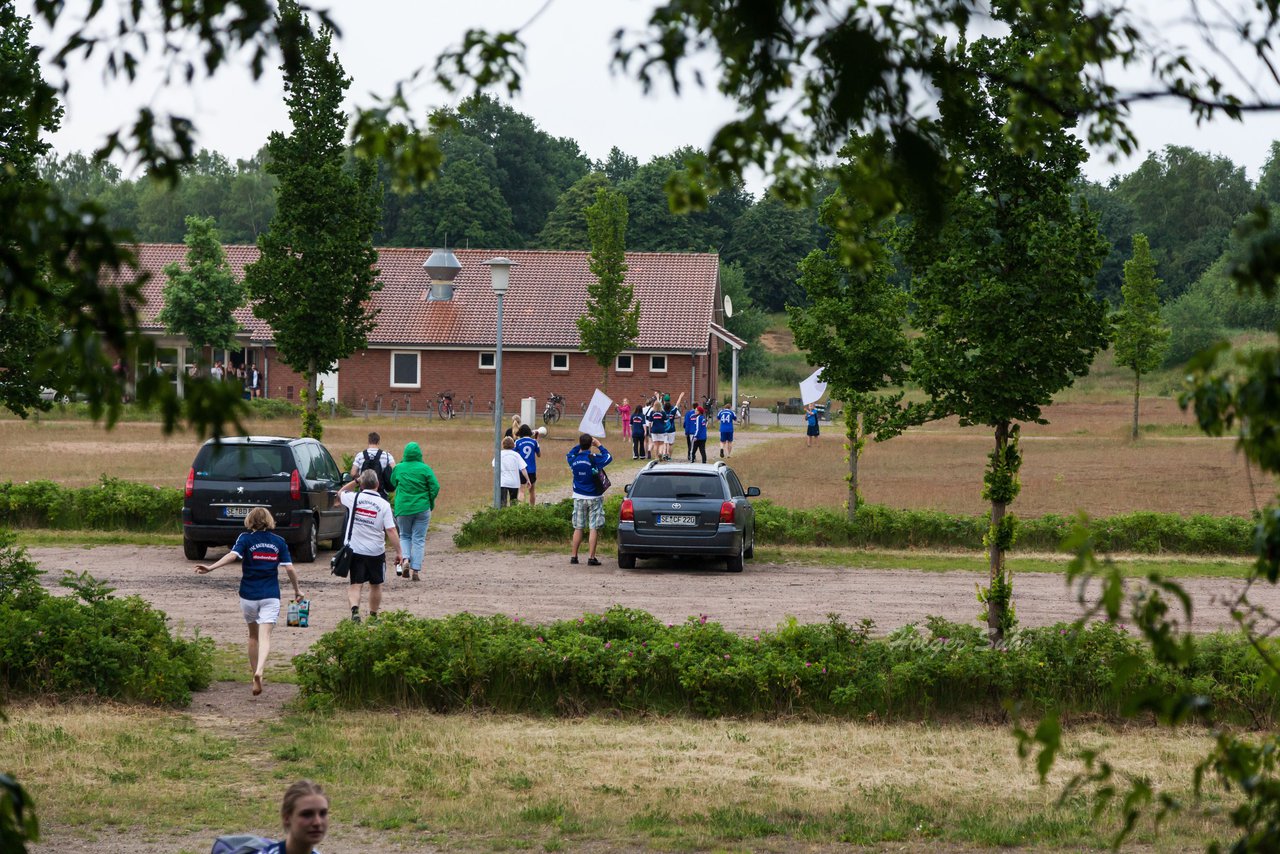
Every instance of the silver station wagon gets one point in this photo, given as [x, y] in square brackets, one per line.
[687, 509]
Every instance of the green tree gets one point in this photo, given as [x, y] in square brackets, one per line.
[531, 168]
[611, 323]
[655, 227]
[768, 241]
[463, 206]
[1195, 324]
[250, 202]
[1186, 203]
[316, 271]
[1267, 192]
[619, 166]
[1116, 224]
[851, 325]
[566, 226]
[1008, 319]
[199, 301]
[1140, 338]
[748, 323]
[29, 110]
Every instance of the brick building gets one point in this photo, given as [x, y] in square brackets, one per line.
[424, 344]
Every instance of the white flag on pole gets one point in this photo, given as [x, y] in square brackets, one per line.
[593, 419]
[812, 389]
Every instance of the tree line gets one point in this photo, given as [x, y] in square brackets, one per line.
[505, 183]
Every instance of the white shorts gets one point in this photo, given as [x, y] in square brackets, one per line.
[260, 611]
[663, 438]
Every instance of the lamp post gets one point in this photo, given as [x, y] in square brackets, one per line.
[499, 277]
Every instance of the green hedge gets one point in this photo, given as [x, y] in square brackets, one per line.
[523, 523]
[90, 643]
[111, 505]
[887, 527]
[629, 661]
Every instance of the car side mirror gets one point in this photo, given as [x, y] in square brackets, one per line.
[346, 478]
[626, 490]
[753, 491]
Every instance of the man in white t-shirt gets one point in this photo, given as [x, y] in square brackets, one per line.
[373, 523]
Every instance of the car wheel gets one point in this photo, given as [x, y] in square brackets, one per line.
[194, 551]
[626, 560]
[308, 547]
[733, 563]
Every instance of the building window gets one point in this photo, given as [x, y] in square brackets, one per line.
[624, 365]
[657, 364]
[559, 361]
[404, 370]
[487, 361]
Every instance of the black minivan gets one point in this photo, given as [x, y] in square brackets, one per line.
[296, 479]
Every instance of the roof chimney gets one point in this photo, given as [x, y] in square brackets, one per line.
[442, 268]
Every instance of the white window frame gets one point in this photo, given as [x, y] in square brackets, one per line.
[493, 360]
[653, 368]
[555, 356]
[417, 368]
[631, 363]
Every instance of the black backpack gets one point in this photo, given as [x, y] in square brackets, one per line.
[374, 464]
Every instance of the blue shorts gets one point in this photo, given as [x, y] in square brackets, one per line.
[726, 437]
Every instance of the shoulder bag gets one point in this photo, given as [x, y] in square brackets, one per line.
[340, 563]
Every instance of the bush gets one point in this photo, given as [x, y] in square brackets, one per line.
[1195, 322]
[886, 527]
[113, 504]
[90, 643]
[627, 660]
[523, 523]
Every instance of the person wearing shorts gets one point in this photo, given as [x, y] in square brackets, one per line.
[261, 554]
[726, 416]
[585, 460]
[655, 417]
[811, 425]
[529, 450]
[374, 522]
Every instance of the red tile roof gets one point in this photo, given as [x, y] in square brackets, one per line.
[548, 291]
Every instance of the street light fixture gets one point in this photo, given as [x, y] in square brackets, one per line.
[499, 277]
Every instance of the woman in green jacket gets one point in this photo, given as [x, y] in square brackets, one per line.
[416, 489]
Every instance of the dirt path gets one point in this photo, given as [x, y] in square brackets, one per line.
[544, 587]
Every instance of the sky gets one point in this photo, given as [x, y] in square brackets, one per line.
[569, 88]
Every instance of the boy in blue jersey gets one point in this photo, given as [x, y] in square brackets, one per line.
[690, 430]
[699, 434]
[726, 416]
[588, 500]
[529, 450]
[637, 434]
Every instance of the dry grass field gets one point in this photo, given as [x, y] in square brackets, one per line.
[1082, 460]
[411, 781]
[78, 452]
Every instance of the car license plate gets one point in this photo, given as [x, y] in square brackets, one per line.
[680, 519]
[236, 512]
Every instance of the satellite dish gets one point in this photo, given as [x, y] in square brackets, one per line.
[728, 306]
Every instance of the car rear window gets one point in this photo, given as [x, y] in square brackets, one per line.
[677, 486]
[243, 462]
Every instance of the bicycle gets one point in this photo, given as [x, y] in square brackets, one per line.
[444, 406]
[744, 409]
[554, 410]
